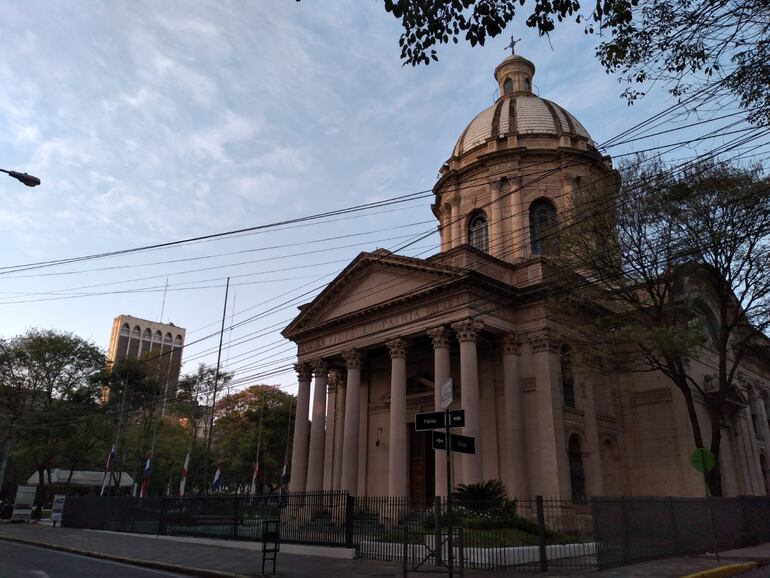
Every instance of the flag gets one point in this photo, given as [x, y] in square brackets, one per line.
[167, 491]
[145, 477]
[254, 477]
[285, 476]
[183, 474]
[217, 479]
[107, 469]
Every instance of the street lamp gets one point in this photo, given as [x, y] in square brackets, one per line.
[28, 180]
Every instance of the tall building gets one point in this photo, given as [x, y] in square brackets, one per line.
[384, 337]
[159, 344]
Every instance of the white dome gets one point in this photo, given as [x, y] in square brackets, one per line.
[520, 115]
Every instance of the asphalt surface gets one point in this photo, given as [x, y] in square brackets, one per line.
[22, 561]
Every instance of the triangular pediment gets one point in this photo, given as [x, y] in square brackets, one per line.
[371, 280]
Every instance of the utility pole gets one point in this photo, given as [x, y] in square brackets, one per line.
[214, 397]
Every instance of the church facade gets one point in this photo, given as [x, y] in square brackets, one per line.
[380, 340]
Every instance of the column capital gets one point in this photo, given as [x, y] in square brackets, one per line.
[352, 358]
[467, 329]
[439, 336]
[544, 340]
[510, 344]
[320, 367]
[397, 347]
[304, 372]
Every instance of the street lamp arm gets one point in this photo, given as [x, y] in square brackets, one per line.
[24, 178]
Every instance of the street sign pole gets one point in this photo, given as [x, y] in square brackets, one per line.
[450, 553]
[703, 461]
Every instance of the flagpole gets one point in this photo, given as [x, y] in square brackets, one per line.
[286, 453]
[216, 383]
[259, 444]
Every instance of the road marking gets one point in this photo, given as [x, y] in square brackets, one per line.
[39, 573]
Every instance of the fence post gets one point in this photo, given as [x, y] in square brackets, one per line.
[541, 534]
[674, 529]
[162, 517]
[437, 526]
[624, 527]
[350, 503]
[461, 553]
[236, 515]
[406, 551]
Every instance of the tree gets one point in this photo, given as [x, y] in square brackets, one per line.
[50, 386]
[722, 45]
[676, 279]
[236, 433]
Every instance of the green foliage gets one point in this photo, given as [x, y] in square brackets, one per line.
[482, 495]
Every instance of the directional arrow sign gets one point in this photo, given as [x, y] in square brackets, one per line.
[439, 440]
[457, 418]
[429, 420]
[457, 443]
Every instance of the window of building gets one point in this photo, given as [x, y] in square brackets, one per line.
[542, 217]
[577, 477]
[507, 86]
[478, 236]
[567, 379]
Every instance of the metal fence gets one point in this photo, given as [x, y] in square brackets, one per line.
[307, 518]
[534, 535]
[634, 529]
[529, 535]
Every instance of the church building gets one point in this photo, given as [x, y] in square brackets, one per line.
[383, 337]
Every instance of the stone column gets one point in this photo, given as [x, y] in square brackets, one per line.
[755, 432]
[457, 223]
[514, 419]
[315, 469]
[519, 221]
[397, 455]
[299, 444]
[595, 474]
[764, 426]
[331, 404]
[467, 332]
[339, 434]
[442, 371]
[497, 240]
[352, 401]
[445, 228]
[552, 447]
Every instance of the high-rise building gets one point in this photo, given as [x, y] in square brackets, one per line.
[159, 344]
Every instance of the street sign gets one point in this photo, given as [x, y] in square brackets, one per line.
[439, 440]
[447, 393]
[702, 460]
[429, 420]
[457, 443]
[462, 444]
[457, 418]
[435, 420]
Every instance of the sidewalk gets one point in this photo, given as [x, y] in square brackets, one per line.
[247, 562]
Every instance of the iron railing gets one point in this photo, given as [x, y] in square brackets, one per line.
[633, 529]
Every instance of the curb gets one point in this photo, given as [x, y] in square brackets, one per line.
[724, 571]
[201, 572]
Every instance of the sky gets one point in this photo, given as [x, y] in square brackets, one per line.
[152, 121]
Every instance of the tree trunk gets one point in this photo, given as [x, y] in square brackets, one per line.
[714, 477]
[697, 435]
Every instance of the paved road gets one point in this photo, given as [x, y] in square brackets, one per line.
[22, 561]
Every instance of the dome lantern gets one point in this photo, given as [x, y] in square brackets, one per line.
[514, 76]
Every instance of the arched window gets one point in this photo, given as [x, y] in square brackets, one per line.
[765, 473]
[542, 216]
[125, 329]
[577, 477]
[567, 379]
[478, 237]
[507, 86]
